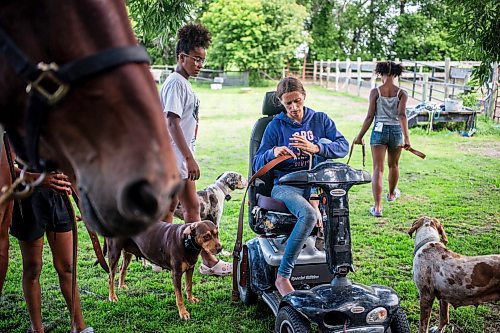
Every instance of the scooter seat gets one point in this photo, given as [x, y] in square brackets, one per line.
[271, 204]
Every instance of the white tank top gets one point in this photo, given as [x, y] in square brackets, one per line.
[387, 109]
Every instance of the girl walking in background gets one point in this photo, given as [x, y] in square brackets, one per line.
[389, 133]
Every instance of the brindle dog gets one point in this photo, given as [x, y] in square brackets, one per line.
[172, 246]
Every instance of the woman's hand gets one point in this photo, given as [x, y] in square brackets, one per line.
[58, 181]
[193, 169]
[303, 144]
[283, 150]
[406, 144]
[358, 140]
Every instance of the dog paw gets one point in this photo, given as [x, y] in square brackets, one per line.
[193, 300]
[113, 298]
[184, 314]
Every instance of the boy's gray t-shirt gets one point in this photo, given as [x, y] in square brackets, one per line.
[177, 96]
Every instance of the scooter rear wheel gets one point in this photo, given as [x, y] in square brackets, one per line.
[399, 322]
[247, 296]
[289, 320]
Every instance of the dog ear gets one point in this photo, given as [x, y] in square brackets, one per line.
[440, 230]
[190, 229]
[219, 176]
[417, 224]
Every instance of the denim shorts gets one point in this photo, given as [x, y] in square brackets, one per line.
[391, 136]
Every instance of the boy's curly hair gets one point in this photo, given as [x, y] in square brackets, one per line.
[192, 36]
[389, 68]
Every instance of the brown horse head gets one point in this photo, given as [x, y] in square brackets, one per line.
[108, 131]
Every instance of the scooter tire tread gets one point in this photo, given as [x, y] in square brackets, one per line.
[399, 322]
[299, 323]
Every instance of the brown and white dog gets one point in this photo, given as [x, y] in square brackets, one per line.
[212, 198]
[450, 277]
[172, 246]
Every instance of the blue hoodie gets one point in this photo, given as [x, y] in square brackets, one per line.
[314, 126]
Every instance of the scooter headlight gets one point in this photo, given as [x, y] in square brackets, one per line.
[376, 316]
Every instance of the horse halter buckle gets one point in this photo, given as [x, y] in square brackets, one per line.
[48, 84]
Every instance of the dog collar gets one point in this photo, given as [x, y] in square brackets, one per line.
[425, 241]
[191, 245]
[227, 197]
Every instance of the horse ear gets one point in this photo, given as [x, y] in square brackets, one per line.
[441, 231]
[417, 224]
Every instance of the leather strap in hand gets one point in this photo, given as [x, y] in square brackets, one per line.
[362, 149]
[416, 152]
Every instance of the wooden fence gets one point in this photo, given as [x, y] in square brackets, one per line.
[425, 80]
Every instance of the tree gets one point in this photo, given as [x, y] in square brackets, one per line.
[155, 22]
[409, 29]
[422, 38]
[254, 34]
[475, 29]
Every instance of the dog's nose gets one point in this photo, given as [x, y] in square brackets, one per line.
[218, 248]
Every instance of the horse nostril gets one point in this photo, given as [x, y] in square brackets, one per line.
[139, 199]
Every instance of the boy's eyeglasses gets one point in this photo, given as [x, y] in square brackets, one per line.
[197, 60]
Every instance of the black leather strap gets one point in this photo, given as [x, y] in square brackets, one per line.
[83, 68]
[16, 58]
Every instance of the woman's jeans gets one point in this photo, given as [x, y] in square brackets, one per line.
[293, 198]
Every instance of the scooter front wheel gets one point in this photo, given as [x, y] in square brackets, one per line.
[289, 320]
[399, 322]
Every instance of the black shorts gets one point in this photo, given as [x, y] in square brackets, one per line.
[44, 210]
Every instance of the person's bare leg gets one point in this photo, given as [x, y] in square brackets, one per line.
[32, 266]
[4, 242]
[61, 244]
[393, 163]
[378, 155]
[169, 218]
[283, 285]
[191, 206]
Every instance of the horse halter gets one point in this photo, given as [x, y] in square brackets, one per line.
[48, 84]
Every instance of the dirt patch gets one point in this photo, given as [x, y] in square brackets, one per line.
[489, 149]
[414, 198]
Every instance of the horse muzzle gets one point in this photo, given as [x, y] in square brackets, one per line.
[138, 205]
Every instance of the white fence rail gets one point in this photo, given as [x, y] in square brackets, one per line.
[425, 80]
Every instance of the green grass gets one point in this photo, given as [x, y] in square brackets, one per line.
[458, 183]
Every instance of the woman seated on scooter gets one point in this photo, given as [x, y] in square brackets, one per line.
[300, 132]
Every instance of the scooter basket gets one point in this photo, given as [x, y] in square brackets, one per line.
[266, 222]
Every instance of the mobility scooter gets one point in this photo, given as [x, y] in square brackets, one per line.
[324, 300]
